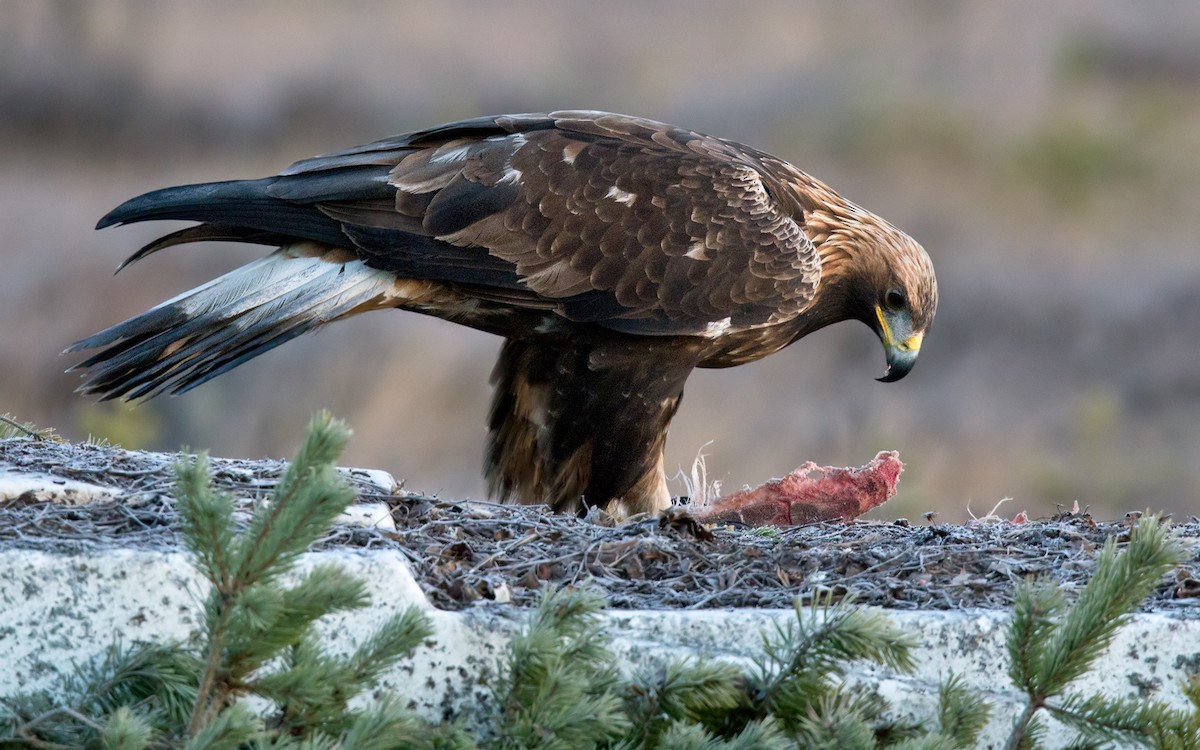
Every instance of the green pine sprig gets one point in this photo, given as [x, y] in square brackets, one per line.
[259, 631]
[803, 664]
[1051, 645]
[558, 689]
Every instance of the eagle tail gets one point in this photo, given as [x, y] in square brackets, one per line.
[217, 326]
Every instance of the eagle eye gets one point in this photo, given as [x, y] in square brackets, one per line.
[895, 299]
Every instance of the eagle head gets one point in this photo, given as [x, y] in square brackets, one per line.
[873, 272]
[898, 299]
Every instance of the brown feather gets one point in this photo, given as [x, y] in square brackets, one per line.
[581, 421]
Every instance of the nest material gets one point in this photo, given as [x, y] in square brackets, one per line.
[464, 553]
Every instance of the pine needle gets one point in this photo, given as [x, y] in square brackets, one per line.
[207, 520]
[557, 689]
[391, 643]
[807, 656]
[308, 498]
[126, 730]
[10, 427]
[1051, 645]
[962, 713]
[1106, 603]
[1124, 723]
[232, 729]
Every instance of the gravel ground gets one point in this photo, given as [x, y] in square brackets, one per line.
[463, 552]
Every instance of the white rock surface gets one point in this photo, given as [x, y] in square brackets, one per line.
[368, 515]
[386, 483]
[57, 609]
[47, 488]
[25, 486]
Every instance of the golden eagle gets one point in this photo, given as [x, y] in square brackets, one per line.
[613, 254]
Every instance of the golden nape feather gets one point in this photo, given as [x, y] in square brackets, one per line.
[613, 254]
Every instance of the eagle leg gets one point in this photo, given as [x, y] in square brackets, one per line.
[580, 421]
[810, 494]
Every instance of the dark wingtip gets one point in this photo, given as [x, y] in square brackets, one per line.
[78, 346]
[134, 209]
[138, 208]
[109, 219]
[131, 260]
[199, 202]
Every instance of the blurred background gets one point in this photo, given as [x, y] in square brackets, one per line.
[1046, 154]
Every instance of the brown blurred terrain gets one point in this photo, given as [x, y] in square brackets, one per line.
[1047, 155]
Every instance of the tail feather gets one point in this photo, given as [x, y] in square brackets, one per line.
[200, 334]
[247, 286]
[264, 334]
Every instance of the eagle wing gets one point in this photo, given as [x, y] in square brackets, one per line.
[632, 224]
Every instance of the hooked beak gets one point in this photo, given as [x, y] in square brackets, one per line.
[900, 344]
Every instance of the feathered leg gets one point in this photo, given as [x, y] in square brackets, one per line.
[583, 421]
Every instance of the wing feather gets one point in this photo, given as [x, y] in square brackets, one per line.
[626, 222]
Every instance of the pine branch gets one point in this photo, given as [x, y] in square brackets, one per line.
[314, 688]
[1106, 603]
[1034, 731]
[758, 735]
[157, 682]
[835, 722]
[558, 688]
[390, 727]
[1046, 654]
[126, 730]
[702, 692]
[160, 678]
[1124, 722]
[208, 532]
[395, 640]
[268, 620]
[207, 520]
[248, 620]
[803, 660]
[962, 713]
[302, 507]
[231, 729]
[1035, 606]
